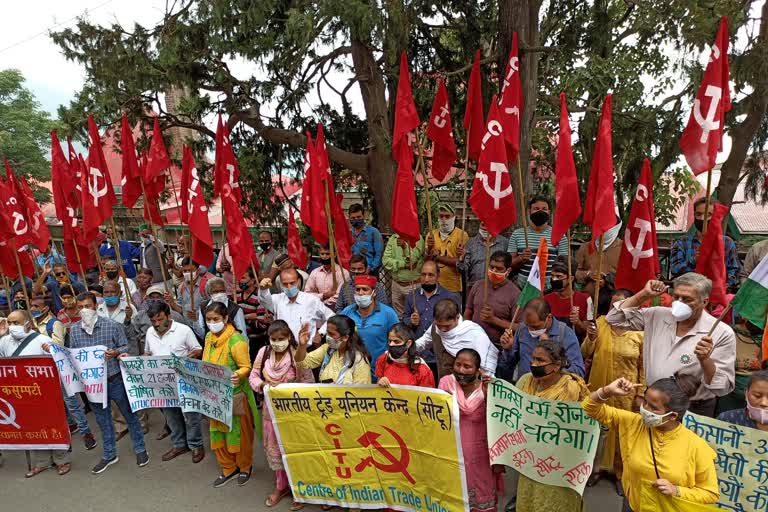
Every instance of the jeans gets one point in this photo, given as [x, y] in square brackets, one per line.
[116, 393]
[76, 410]
[185, 428]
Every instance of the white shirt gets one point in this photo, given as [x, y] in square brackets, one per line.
[8, 345]
[178, 340]
[305, 308]
[467, 334]
[118, 315]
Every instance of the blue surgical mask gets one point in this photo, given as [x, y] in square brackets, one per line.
[363, 301]
[111, 301]
[357, 223]
[291, 292]
[3, 293]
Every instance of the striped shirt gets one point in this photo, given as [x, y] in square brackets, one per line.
[517, 246]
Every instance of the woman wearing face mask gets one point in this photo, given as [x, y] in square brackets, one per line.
[755, 414]
[615, 352]
[548, 380]
[400, 364]
[274, 365]
[465, 384]
[655, 446]
[342, 359]
[233, 447]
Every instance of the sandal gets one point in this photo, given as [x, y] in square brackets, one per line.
[34, 472]
[296, 506]
[63, 469]
[274, 498]
[326, 507]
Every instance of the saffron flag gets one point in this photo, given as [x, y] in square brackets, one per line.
[492, 199]
[566, 184]
[226, 170]
[406, 116]
[440, 132]
[711, 260]
[194, 211]
[534, 286]
[639, 258]
[158, 159]
[296, 250]
[474, 119]
[600, 204]
[703, 136]
[511, 103]
[131, 173]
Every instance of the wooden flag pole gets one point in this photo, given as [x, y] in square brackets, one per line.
[34, 263]
[22, 279]
[120, 263]
[487, 265]
[7, 286]
[423, 167]
[522, 201]
[599, 276]
[331, 234]
[707, 203]
[154, 233]
[568, 238]
[410, 264]
[719, 318]
[79, 264]
[464, 193]
[98, 257]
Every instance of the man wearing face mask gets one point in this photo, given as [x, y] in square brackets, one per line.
[494, 312]
[128, 251]
[685, 250]
[443, 246]
[368, 241]
[55, 277]
[404, 264]
[320, 282]
[149, 256]
[539, 325]
[472, 257]
[266, 254]
[677, 338]
[216, 290]
[112, 275]
[284, 262]
[358, 266]
[586, 263]
[114, 307]
[373, 319]
[140, 323]
[195, 277]
[559, 299]
[538, 228]
[143, 281]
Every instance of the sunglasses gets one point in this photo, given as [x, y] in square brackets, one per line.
[60, 274]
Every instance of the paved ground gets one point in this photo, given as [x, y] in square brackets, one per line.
[165, 486]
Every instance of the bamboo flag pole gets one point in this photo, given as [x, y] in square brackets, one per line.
[80, 264]
[331, 234]
[522, 201]
[120, 263]
[22, 279]
[568, 239]
[422, 166]
[707, 203]
[719, 318]
[98, 257]
[599, 277]
[154, 233]
[464, 192]
[487, 265]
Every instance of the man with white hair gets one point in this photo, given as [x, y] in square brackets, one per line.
[678, 339]
[216, 291]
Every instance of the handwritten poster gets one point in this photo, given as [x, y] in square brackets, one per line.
[83, 370]
[29, 385]
[150, 381]
[204, 388]
[370, 447]
[548, 441]
[742, 462]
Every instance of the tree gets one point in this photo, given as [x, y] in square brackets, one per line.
[24, 132]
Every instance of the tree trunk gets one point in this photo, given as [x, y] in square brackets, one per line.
[522, 16]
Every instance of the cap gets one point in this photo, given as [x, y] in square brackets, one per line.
[447, 207]
[156, 288]
[365, 280]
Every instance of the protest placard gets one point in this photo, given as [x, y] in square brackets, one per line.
[742, 462]
[366, 446]
[150, 381]
[29, 385]
[549, 441]
[204, 388]
[83, 370]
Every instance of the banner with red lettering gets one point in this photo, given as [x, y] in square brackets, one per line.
[32, 413]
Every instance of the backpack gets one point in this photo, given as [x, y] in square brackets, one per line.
[49, 330]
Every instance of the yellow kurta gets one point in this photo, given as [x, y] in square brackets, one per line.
[533, 496]
[682, 457]
[360, 373]
[450, 278]
[613, 356]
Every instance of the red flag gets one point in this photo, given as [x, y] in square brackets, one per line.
[600, 205]
[711, 260]
[296, 250]
[405, 215]
[511, 104]
[492, 198]
[440, 132]
[194, 211]
[703, 137]
[406, 116]
[566, 184]
[238, 235]
[63, 176]
[639, 259]
[226, 171]
[98, 196]
[313, 196]
[132, 175]
[39, 232]
[344, 240]
[16, 224]
[474, 119]
[8, 262]
[158, 160]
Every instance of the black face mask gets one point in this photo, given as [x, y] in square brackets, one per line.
[699, 223]
[464, 379]
[557, 284]
[325, 261]
[429, 288]
[111, 275]
[539, 218]
[20, 304]
[397, 351]
[265, 246]
[243, 286]
[540, 371]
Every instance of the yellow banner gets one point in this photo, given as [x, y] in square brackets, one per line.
[370, 447]
[651, 500]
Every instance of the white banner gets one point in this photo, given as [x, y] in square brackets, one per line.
[83, 370]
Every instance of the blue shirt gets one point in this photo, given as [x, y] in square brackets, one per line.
[369, 243]
[127, 250]
[53, 286]
[738, 417]
[425, 307]
[520, 353]
[373, 329]
[105, 332]
[684, 252]
[50, 259]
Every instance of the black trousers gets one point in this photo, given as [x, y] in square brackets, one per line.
[704, 407]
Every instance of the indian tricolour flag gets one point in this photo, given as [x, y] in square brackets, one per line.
[752, 300]
[534, 287]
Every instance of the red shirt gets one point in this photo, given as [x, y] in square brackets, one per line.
[400, 373]
[561, 307]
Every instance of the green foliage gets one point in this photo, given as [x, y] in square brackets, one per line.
[24, 132]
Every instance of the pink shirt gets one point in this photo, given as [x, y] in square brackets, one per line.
[321, 281]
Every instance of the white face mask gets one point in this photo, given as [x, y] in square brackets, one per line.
[220, 297]
[88, 319]
[446, 226]
[363, 301]
[681, 311]
[215, 327]
[17, 332]
[279, 345]
[651, 419]
[538, 332]
[332, 342]
[483, 233]
[188, 276]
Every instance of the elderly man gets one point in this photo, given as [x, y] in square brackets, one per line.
[114, 307]
[450, 333]
[192, 289]
[151, 252]
[682, 339]
[216, 291]
[140, 323]
[472, 257]
[321, 280]
[284, 262]
[143, 282]
[112, 274]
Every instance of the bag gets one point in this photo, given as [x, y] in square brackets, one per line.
[24, 343]
[238, 404]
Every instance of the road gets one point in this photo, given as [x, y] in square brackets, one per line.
[174, 485]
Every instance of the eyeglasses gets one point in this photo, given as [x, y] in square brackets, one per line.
[60, 274]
